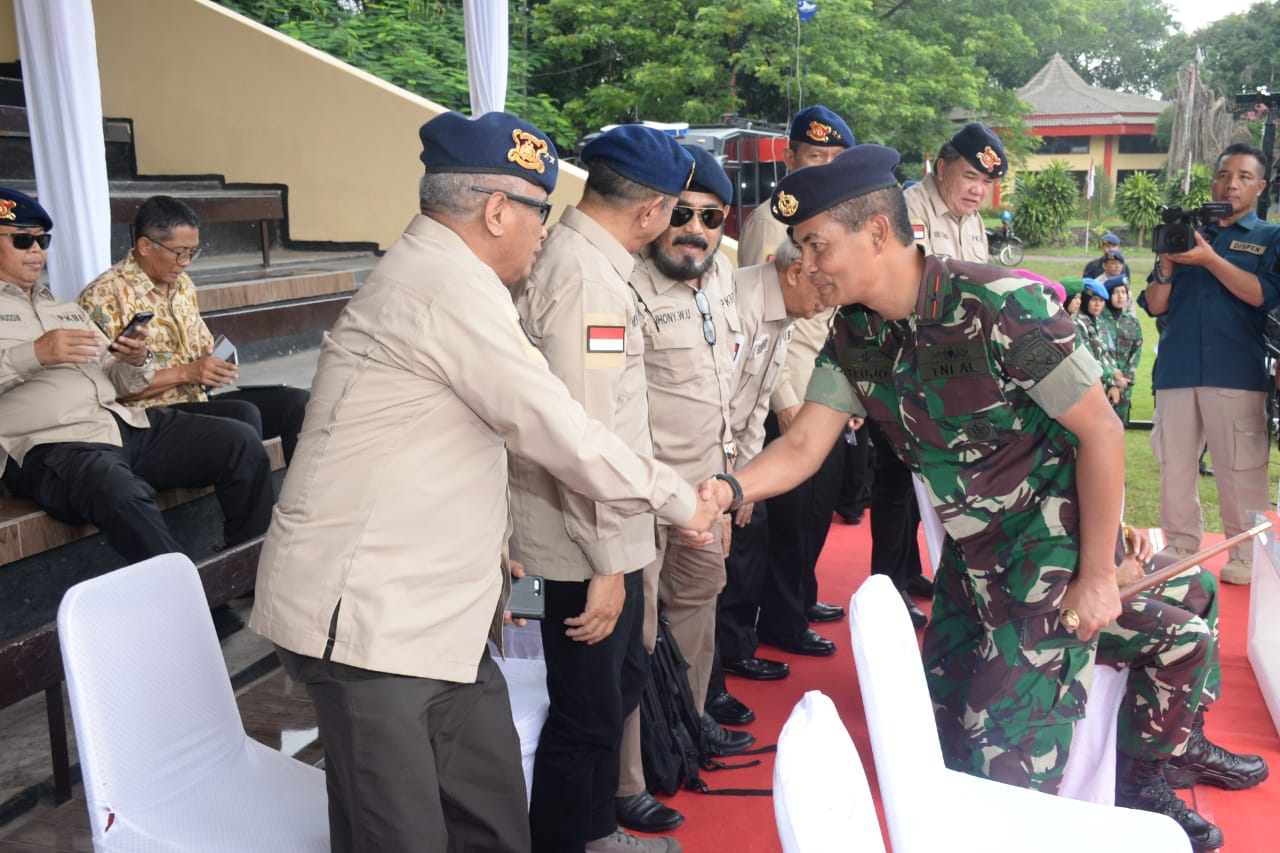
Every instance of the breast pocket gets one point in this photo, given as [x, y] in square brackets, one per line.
[970, 414]
[675, 352]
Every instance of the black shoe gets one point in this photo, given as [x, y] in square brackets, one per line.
[757, 669]
[920, 586]
[854, 517]
[820, 612]
[721, 741]
[918, 619]
[809, 643]
[1206, 763]
[644, 813]
[226, 621]
[1141, 785]
[726, 710]
[1205, 470]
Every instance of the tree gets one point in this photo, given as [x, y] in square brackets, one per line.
[1138, 202]
[1242, 51]
[1043, 202]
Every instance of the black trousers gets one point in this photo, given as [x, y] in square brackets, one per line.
[798, 525]
[416, 763]
[114, 488]
[592, 688]
[855, 487]
[895, 516]
[739, 602]
[272, 410]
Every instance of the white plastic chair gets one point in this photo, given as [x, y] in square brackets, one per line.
[821, 798]
[929, 807]
[1264, 628]
[165, 758]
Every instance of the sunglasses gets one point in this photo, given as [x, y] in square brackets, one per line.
[712, 217]
[704, 308]
[543, 207]
[22, 242]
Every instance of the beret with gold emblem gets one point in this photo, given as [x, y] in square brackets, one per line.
[22, 211]
[819, 126]
[806, 192]
[496, 143]
[709, 175]
[645, 155]
[982, 148]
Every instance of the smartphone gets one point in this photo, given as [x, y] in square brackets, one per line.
[139, 320]
[224, 349]
[527, 601]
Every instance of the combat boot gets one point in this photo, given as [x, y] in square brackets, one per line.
[1204, 762]
[1140, 784]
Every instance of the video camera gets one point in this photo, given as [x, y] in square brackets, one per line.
[1176, 235]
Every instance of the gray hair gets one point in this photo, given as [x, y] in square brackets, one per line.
[787, 253]
[451, 193]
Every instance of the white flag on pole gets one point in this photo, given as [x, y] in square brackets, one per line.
[1088, 186]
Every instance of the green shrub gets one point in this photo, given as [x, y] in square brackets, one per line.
[1198, 193]
[1138, 201]
[1043, 203]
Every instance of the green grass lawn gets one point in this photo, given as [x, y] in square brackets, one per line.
[1142, 475]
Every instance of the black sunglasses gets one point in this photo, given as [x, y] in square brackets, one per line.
[22, 242]
[712, 217]
[543, 207]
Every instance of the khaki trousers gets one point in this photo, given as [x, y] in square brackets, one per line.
[1233, 422]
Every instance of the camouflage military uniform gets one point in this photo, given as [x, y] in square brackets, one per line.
[1094, 335]
[967, 390]
[1126, 333]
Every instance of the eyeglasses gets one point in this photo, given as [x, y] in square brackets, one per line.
[543, 207]
[179, 255]
[704, 308]
[712, 217]
[22, 242]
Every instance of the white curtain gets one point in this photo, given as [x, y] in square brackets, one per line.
[486, 54]
[64, 110]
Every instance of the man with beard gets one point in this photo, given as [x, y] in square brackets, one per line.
[684, 291]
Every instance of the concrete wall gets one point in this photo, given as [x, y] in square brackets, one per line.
[229, 97]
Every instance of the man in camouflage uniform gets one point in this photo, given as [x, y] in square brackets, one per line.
[979, 384]
[1126, 336]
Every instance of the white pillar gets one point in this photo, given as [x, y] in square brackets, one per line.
[487, 45]
[59, 55]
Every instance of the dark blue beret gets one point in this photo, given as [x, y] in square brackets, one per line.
[709, 175]
[982, 148]
[496, 143]
[1092, 285]
[1113, 282]
[807, 192]
[1111, 238]
[1114, 253]
[819, 126]
[647, 156]
[22, 211]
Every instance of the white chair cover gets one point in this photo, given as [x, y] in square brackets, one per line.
[929, 807]
[1264, 628]
[527, 688]
[165, 758]
[821, 798]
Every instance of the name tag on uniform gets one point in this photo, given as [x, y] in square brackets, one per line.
[1251, 248]
[606, 339]
[944, 361]
[862, 365]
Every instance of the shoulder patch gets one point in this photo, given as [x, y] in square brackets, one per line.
[606, 338]
[1034, 354]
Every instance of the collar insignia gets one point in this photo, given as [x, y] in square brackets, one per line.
[787, 204]
[529, 151]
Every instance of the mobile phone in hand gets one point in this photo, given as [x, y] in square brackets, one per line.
[224, 349]
[139, 320]
[527, 600]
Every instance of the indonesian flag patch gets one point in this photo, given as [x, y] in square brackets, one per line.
[917, 230]
[606, 338]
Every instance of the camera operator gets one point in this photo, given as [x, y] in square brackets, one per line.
[1211, 380]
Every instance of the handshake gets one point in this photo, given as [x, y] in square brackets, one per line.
[717, 495]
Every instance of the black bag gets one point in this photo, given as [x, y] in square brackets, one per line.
[671, 743]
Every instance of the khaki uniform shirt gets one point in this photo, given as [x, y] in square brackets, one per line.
[177, 335]
[943, 234]
[384, 549]
[807, 339]
[61, 402]
[762, 365]
[761, 234]
[690, 381]
[581, 314]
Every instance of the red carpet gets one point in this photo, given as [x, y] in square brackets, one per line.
[1239, 721]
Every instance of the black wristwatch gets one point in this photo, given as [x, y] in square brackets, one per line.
[733, 484]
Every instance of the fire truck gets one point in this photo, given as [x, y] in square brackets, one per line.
[750, 151]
